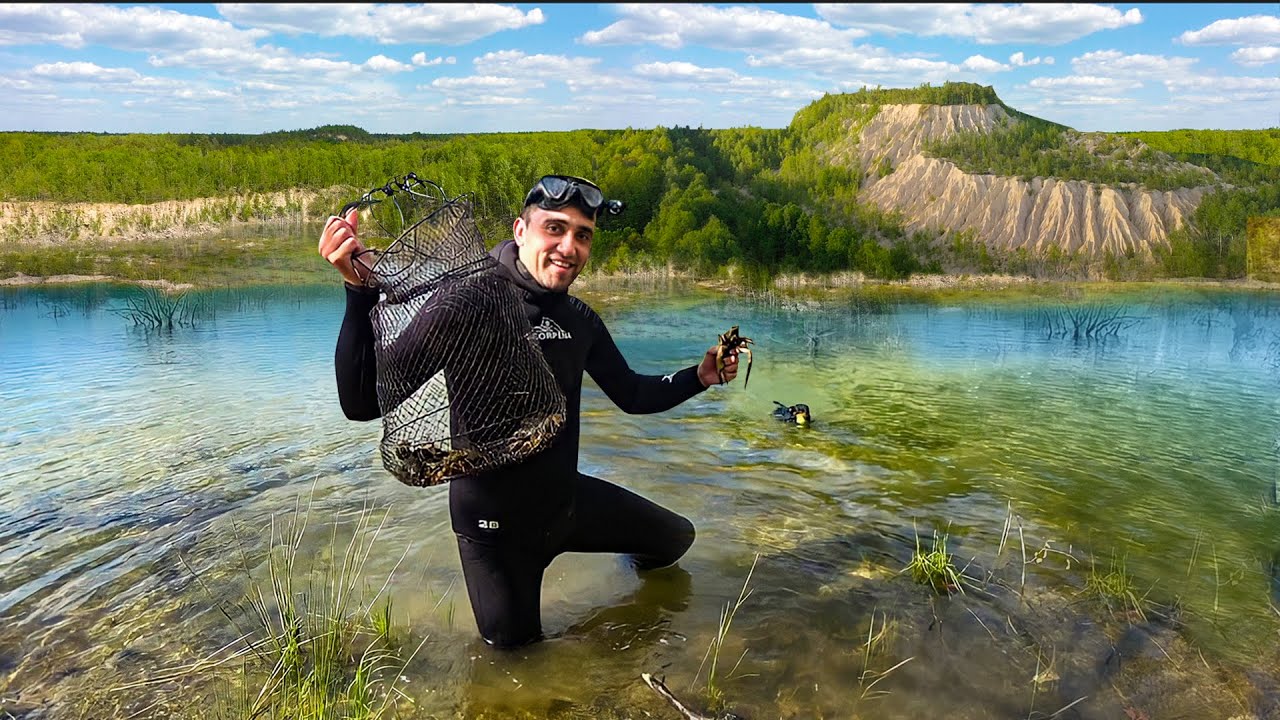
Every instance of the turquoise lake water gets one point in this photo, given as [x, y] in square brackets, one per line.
[135, 460]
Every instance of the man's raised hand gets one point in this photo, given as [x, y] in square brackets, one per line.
[338, 244]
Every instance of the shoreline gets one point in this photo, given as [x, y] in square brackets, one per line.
[810, 283]
[22, 280]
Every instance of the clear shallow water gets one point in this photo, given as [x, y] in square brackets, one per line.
[133, 458]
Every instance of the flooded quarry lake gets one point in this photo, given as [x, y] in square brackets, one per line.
[1096, 472]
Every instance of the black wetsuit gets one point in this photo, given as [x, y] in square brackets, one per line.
[512, 522]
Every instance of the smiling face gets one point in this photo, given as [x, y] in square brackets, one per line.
[554, 244]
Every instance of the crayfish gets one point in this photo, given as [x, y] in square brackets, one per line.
[729, 342]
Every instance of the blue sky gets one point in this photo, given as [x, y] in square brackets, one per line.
[399, 68]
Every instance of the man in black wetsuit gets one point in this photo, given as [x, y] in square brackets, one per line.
[512, 522]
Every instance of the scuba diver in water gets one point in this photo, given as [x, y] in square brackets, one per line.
[512, 522]
[798, 413]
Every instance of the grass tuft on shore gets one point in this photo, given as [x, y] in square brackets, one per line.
[314, 642]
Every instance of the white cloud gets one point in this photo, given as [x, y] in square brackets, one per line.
[611, 83]
[858, 61]
[268, 86]
[84, 72]
[1083, 91]
[1252, 30]
[722, 80]
[684, 72]
[1226, 84]
[1086, 100]
[987, 24]
[1019, 60]
[16, 83]
[1256, 56]
[173, 39]
[487, 100]
[486, 82]
[433, 23]
[270, 64]
[1090, 83]
[1115, 63]
[134, 87]
[126, 28]
[980, 63]
[619, 97]
[628, 102]
[514, 63]
[198, 93]
[782, 105]
[257, 60]
[420, 59]
[723, 28]
[1233, 88]
[1229, 103]
[382, 63]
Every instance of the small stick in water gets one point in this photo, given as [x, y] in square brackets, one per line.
[662, 690]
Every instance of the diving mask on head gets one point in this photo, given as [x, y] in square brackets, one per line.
[555, 191]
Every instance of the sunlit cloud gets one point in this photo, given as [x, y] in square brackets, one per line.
[478, 82]
[487, 100]
[707, 81]
[860, 61]
[277, 63]
[620, 86]
[85, 72]
[268, 86]
[515, 63]
[1115, 63]
[744, 29]
[1018, 59]
[1256, 56]
[1086, 100]
[432, 23]
[684, 72]
[1252, 30]
[987, 24]
[1090, 82]
[1226, 83]
[420, 59]
[147, 29]
[382, 63]
[980, 63]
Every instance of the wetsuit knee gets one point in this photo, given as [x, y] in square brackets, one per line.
[677, 541]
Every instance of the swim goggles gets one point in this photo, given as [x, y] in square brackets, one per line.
[555, 191]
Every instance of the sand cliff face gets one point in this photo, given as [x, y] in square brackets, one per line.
[1004, 212]
[56, 221]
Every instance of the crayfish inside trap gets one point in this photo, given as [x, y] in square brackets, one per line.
[729, 342]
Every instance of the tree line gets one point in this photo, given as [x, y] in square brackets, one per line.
[768, 200]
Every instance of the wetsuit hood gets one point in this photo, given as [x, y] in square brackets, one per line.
[507, 253]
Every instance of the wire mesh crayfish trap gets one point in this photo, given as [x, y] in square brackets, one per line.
[462, 383]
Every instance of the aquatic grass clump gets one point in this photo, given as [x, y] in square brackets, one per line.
[715, 695]
[876, 645]
[320, 651]
[1115, 588]
[935, 567]
[329, 654]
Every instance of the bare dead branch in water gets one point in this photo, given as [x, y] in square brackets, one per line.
[1086, 322]
[661, 688]
[157, 310]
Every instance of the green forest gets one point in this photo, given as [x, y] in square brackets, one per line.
[767, 201]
